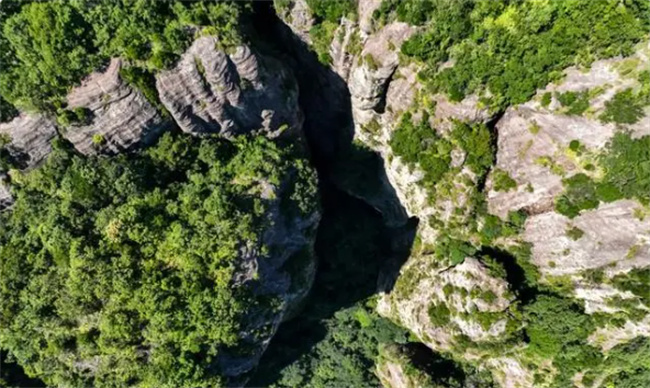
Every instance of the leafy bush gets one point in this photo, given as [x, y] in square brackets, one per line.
[579, 194]
[575, 102]
[627, 168]
[126, 264]
[321, 36]
[625, 108]
[439, 314]
[476, 141]
[420, 144]
[502, 180]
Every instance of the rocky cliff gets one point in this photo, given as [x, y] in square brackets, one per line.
[121, 117]
[230, 92]
[453, 293]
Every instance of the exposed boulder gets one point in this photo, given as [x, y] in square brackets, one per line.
[211, 91]
[441, 304]
[613, 238]
[121, 117]
[27, 141]
[534, 150]
[297, 15]
[373, 69]
[29, 137]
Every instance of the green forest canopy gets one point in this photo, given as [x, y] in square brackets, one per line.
[119, 271]
[46, 47]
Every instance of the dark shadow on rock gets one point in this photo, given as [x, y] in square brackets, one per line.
[355, 247]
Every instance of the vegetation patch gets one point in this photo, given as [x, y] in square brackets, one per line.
[502, 180]
[48, 47]
[511, 49]
[104, 260]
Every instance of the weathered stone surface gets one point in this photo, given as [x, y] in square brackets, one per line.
[29, 138]
[420, 284]
[6, 199]
[511, 373]
[378, 60]
[529, 132]
[614, 238]
[122, 118]
[527, 136]
[344, 37]
[365, 11]
[298, 17]
[608, 337]
[210, 91]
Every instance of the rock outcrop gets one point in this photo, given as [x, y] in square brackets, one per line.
[211, 91]
[441, 304]
[121, 117]
[286, 274]
[27, 141]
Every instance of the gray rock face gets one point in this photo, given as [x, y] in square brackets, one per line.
[6, 199]
[122, 118]
[376, 64]
[287, 274]
[614, 238]
[210, 91]
[29, 139]
[298, 17]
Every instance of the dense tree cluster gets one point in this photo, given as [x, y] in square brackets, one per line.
[505, 50]
[120, 271]
[48, 46]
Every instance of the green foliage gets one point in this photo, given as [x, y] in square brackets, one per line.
[321, 36]
[554, 324]
[625, 108]
[546, 99]
[454, 250]
[144, 81]
[476, 141]
[579, 194]
[575, 102]
[345, 357]
[79, 116]
[502, 180]
[126, 264]
[332, 10]
[511, 49]
[557, 329]
[420, 144]
[627, 168]
[449, 23]
[575, 233]
[636, 281]
[439, 314]
[50, 46]
[626, 162]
